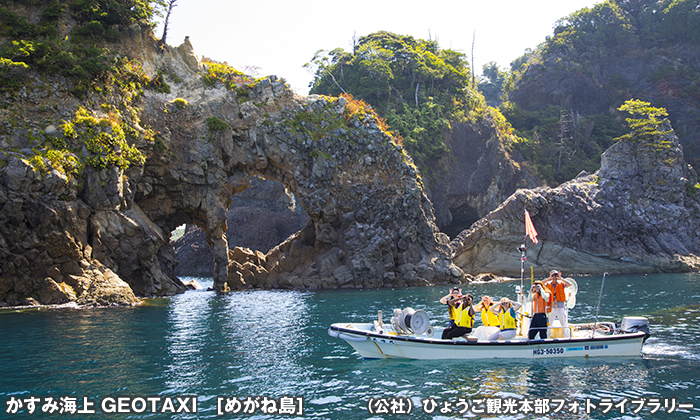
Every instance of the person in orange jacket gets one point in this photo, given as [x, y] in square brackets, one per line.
[557, 298]
[539, 296]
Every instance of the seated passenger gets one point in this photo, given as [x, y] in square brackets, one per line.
[455, 292]
[505, 310]
[464, 317]
[488, 318]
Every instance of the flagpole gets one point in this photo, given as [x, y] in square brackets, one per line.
[521, 292]
[532, 234]
[523, 258]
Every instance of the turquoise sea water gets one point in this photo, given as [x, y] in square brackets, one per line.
[274, 345]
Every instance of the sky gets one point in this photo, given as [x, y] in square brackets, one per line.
[277, 37]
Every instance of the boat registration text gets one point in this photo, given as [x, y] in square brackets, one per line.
[544, 352]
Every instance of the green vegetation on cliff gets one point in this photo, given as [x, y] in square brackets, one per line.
[74, 46]
[562, 97]
[646, 124]
[418, 87]
[81, 53]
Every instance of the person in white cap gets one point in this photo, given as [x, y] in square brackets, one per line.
[557, 298]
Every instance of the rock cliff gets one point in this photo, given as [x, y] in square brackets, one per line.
[598, 83]
[638, 214]
[371, 223]
[102, 237]
[478, 175]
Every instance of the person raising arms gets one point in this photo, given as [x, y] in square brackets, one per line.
[464, 317]
[505, 310]
[455, 292]
[488, 318]
[557, 299]
[539, 297]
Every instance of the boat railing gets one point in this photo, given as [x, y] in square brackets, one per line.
[557, 327]
[603, 328]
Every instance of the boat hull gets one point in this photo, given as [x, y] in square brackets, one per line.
[375, 345]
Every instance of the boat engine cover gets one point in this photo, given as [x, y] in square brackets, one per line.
[635, 323]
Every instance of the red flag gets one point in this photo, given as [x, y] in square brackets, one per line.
[530, 228]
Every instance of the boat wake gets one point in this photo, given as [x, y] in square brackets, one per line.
[659, 350]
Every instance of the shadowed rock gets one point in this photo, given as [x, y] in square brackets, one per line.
[638, 214]
[260, 218]
[476, 177]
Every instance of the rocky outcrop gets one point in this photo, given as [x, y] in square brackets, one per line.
[49, 252]
[638, 214]
[65, 238]
[102, 238]
[476, 177]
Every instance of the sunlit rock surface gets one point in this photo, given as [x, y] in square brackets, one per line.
[638, 214]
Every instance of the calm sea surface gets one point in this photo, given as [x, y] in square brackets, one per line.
[274, 345]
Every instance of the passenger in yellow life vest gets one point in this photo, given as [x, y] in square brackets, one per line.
[451, 312]
[557, 298]
[488, 318]
[505, 310]
[464, 317]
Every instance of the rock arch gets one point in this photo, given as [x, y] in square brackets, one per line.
[103, 238]
[371, 222]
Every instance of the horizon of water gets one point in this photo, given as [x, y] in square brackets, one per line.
[274, 345]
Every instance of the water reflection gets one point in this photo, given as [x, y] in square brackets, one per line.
[95, 352]
[268, 331]
[189, 316]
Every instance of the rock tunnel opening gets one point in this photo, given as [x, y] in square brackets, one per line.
[462, 218]
[259, 218]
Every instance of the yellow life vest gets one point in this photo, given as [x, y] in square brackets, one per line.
[488, 318]
[507, 320]
[452, 312]
[464, 319]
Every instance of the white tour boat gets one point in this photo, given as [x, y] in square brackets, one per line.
[375, 340]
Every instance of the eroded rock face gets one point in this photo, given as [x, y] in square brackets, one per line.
[638, 214]
[476, 178]
[103, 238]
[370, 224]
[260, 218]
[54, 247]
